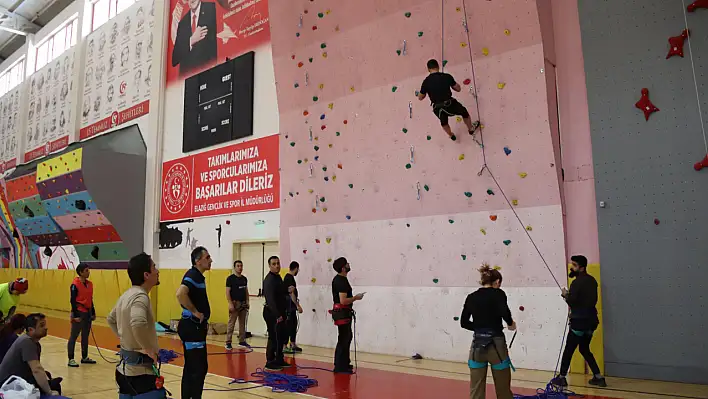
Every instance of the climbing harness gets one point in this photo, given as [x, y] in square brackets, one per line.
[342, 314]
[483, 339]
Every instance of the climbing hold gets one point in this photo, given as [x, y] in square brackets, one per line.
[297, 85]
[334, 177]
[291, 194]
[696, 5]
[328, 239]
[305, 113]
[323, 127]
[656, 222]
[404, 130]
[702, 164]
[322, 117]
[349, 217]
[483, 231]
[315, 98]
[408, 166]
[339, 165]
[304, 251]
[461, 157]
[468, 194]
[645, 104]
[317, 157]
[458, 119]
[467, 81]
[314, 210]
[507, 151]
[292, 144]
[228, 222]
[444, 62]
[490, 192]
[319, 14]
[418, 247]
[394, 88]
[435, 280]
[398, 52]
[676, 44]
[507, 32]
[326, 178]
[329, 260]
[463, 44]
[429, 137]
[521, 308]
[515, 202]
[313, 280]
[321, 86]
[300, 64]
[493, 218]
[328, 11]
[336, 28]
[507, 242]
[456, 318]
[324, 209]
[310, 59]
[529, 228]
[420, 34]
[314, 27]
[497, 268]
[345, 121]
[337, 134]
[458, 9]
[317, 240]
[351, 186]
[485, 51]
[523, 175]
[330, 105]
[408, 15]
[501, 85]
[323, 46]
[310, 190]
[426, 187]
[317, 148]
[450, 221]
[297, 34]
[463, 256]
[351, 89]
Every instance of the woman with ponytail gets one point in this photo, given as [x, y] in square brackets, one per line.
[483, 313]
[9, 333]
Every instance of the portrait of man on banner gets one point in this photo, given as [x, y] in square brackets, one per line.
[204, 33]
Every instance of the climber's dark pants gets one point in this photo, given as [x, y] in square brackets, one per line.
[448, 108]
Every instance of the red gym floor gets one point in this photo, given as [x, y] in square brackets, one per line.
[368, 383]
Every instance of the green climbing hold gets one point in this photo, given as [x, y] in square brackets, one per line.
[456, 318]
[468, 194]
[322, 199]
[435, 280]
[464, 257]
[321, 15]
[418, 247]
[394, 88]
[408, 166]
[299, 161]
[351, 186]
[324, 168]
[507, 242]
[429, 137]
[398, 52]
[310, 59]
[297, 34]
[323, 45]
[408, 15]
[426, 187]
[450, 221]
[297, 85]
[315, 98]
[292, 144]
[490, 192]
[420, 34]
[444, 62]
[317, 148]
[405, 130]
[337, 134]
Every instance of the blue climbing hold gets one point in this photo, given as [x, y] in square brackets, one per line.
[507, 151]
[322, 117]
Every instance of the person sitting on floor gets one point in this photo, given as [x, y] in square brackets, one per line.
[10, 332]
[23, 358]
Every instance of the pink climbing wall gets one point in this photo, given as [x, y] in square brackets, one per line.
[391, 192]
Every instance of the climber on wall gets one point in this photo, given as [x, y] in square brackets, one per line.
[10, 297]
[437, 85]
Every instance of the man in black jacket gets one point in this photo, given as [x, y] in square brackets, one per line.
[274, 315]
[195, 43]
[582, 299]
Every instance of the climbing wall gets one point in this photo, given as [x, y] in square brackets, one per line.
[367, 172]
[65, 204]
[651, 214]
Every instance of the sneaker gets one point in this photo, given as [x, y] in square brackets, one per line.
[600, 382]
[88, 360]
[72, 363]
[244, 344]
[559, 381]
[296, 348]
[272, 367]
[229, 347]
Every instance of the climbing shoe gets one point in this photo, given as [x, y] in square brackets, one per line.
[72, 363]
[559, 381]
[600, 382]
[88, 361]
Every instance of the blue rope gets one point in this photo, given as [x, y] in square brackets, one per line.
[551, 392]
[278, 382]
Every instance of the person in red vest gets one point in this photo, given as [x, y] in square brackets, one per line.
[83, 313]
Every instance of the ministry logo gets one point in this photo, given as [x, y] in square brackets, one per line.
[176, 188]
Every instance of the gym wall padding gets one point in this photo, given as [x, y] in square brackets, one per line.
[653, 224]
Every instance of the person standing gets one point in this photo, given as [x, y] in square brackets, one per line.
[582, 301]
[239, 305]
[133, 322]
[487, 308]
[274, 315]
[193, 327]
[343, 315]
[292, 308]
[83, 313]
[10, 297]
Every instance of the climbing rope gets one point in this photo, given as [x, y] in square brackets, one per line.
[695, 81]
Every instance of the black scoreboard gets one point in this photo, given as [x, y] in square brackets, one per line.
[218, 104]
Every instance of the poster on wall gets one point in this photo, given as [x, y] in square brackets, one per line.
[9, 125]
[117, 71]
[49, 118]
[204, 33]
[238, 178]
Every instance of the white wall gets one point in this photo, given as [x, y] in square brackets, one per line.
[240, 227]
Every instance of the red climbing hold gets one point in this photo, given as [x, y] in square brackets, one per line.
[700, 165]
[305, 113]
[323, 127]
[521, 308]
[345, 121]
[467, 81]
[493, 218]
[697, 4]
[300, 64]
[317, 240]
[676, 44]
[314, 27]
[228, 222]
[304, 251]
[645, 104]
[656, 222]
[339, 165]
[293, 56]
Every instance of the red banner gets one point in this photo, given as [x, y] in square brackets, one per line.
[204, 33]
[117, 118]
[48, 148]
[239, 178]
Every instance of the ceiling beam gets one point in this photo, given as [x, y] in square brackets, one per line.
[20, 23]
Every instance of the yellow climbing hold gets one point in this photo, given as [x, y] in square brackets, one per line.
[515, 202]
[321, 86]
[463, 44]
[334, 177]
[458, 9]
[310, 191]
[523, 175]
[483, 231]
[328, 11]
[507, 32]
[324, 54]
[317, 138]
[336, 28]
[330, 106]
[351, 89]
[305, 160]
[501, 85]
[314, 280]
[497, 267]
[328, 239]
[529, 228]
[324, 209]
[461, 157]
[458, 119]
[485, 51]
